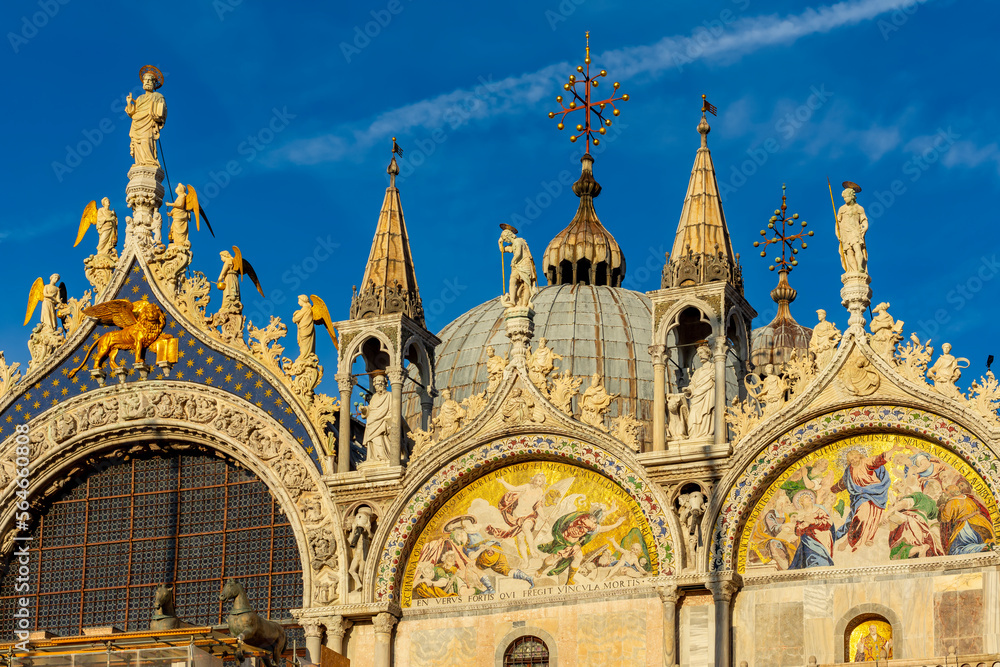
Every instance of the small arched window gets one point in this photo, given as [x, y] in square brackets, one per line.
[526, 651]
[868, 637]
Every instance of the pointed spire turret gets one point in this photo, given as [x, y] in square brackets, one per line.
[703, 251]
[390, 282]
[585, 252]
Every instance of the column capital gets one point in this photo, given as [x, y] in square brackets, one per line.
[724, 588]
[384, 622]
[721, 347]
[312, 627]
[345, 381]
[395, 374]
[658, 354]
[669, 594]
[336, 626]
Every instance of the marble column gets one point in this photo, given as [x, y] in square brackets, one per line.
[723, 591]
[719, 416]
[657, 353]
[991, 611]
[669, 596]
[395, 375]
[345, 383]
[384, 623]
[336, 626]
[426, 407]
[314, 638]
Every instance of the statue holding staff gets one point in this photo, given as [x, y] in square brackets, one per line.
[148, 113]
[523, 275]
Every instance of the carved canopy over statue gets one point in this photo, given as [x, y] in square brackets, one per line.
[148, 113]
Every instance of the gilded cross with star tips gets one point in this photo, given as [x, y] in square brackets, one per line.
[582, 102]
[784, 236]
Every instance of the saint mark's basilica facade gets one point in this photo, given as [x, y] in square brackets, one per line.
[573, 473]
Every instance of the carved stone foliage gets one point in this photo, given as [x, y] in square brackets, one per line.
[99, 269]
[473, 405]
[913, 359]
[169, 265]
[10, 375]
[228, 328]
[564, 388]
[984, 397]
[193, 297]
[264, 343]
[594, 403]
[42, 343]
[626, 428]
[72, 312]
[451, 417]
[240, 429]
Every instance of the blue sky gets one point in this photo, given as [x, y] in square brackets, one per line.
[300, 105]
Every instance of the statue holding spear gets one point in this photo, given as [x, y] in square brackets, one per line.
[851, 226]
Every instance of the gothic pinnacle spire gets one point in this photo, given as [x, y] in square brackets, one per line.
[390, 281]
[702, 251]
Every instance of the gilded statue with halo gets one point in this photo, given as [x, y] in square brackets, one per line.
[148, 113]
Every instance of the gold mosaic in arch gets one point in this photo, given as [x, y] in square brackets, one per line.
[528, 529]
[904, 498]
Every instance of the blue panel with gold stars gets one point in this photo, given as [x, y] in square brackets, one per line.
[197, 363]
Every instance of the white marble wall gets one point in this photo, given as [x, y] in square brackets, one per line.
[697, 633]
[825, 604]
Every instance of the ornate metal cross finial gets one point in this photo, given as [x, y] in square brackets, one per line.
[787, 260]
[583, 102]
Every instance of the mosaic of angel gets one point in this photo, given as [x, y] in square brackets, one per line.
[869, 500]
[527, 526]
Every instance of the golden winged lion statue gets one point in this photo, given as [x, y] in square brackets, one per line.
[141, 325]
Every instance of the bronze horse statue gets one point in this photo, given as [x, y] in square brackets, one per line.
[164, 614]
[249, 628]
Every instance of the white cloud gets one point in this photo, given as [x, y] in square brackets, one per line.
[517, 93]
[967, 154]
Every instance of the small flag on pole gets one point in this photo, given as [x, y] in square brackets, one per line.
[708, 106]
[395, 148]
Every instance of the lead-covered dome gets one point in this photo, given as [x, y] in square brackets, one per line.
[594, 328]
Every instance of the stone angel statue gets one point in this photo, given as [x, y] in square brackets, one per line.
[181, 208]
[52, 296]
[106, 222]
[234, 267]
